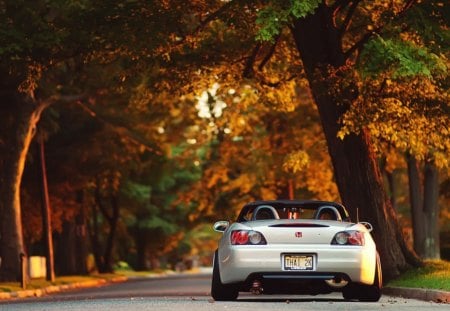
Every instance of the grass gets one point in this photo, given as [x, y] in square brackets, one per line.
[435, 274]
[63, 280]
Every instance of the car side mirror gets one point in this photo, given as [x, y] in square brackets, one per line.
[221, 226]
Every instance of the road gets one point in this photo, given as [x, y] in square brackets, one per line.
[191, 293]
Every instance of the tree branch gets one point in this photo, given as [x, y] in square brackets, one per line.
[407, 6]
[359, 44]
[270, 54]
[41, 105]
[339, 5]
[61, 98]
[348, 17]
[214, 15]
[99, 200]
[248, 69]
[278, 83]
[120, 129]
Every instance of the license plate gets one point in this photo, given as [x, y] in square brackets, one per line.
[298, 262]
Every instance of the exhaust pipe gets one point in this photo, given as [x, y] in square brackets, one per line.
[256, 288]
[337, 282]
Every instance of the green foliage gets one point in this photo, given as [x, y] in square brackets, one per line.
[270, 22]
[166, 226]
[272, 18]
[400, 58]
[136, 191]
[301, 8]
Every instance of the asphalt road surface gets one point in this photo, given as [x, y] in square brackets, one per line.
[191, 292]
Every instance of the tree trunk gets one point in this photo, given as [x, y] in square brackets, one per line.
[416, 201]
[112, 221]
[356, 170]
[81, 249]
[65, 251]
[104, 260]
[431, 210]
[291, 188]
[424, 209]
[391, 184]
[94, 235]
[46, 216]
[12, 244]
[140, 241]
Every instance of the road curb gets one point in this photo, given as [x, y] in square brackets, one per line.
[418, 293]
[59, 288]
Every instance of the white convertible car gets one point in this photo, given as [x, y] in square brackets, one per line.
[296, 247]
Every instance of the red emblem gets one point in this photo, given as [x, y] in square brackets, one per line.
[298, 234]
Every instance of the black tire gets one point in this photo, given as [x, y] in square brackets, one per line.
[366, 293]
[219, 291]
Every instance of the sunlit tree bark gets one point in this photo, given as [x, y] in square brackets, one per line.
[21, 135]
[26, 117]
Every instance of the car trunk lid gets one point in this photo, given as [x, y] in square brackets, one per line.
[298, 232]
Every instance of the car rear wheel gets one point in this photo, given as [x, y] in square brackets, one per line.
[368, 293]
[219, 291]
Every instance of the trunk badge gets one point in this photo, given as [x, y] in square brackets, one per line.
[298, 234]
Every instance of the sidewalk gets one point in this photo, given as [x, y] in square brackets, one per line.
[58, 288]
[418, 293]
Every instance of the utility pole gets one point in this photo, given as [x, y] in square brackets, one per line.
[46, 215]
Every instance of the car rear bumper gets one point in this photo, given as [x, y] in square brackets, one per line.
[242, 263]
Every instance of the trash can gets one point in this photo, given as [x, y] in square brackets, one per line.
[37, 267]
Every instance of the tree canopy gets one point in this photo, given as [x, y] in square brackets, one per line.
[161, 115]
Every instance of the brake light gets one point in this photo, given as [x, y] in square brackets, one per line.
[348, 238]
[247, 237]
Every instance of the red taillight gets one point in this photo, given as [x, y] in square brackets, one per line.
[247, 237]
[239, 237]
[348, 238]
[356, 238]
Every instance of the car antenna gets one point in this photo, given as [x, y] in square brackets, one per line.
[357, 214]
